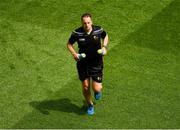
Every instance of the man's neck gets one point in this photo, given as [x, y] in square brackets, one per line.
[89, 31]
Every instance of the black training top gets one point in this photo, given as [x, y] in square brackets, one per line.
[88, 43]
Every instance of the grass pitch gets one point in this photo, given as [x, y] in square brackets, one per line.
[38, 79]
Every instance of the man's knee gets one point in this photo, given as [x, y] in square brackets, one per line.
[97, 86]
[85, 85]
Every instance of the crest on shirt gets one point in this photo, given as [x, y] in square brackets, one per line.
[95, 37]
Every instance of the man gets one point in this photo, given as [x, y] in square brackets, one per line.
[90, 68]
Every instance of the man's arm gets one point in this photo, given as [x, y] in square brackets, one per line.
[72, 51]
[105, 45]
[105, 41]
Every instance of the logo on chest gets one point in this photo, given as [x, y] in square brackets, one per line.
[95, 37]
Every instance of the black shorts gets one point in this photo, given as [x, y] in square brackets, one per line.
[93, 70]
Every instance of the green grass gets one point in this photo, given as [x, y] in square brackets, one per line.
[38, 80]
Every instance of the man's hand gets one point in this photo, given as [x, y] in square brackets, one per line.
[73, 52]
[75, 56]
[102, 51]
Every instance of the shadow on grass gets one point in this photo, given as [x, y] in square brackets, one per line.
[63, 105]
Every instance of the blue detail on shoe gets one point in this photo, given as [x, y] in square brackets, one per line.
[97, 95]
[90, 109]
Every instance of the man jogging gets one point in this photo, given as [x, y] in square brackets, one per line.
[90, 68]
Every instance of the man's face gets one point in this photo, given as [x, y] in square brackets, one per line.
[87, 24]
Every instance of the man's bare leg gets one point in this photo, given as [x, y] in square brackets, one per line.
[87, 91]
[97, 87]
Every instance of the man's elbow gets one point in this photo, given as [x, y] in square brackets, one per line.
[69, 45]
[107, 38]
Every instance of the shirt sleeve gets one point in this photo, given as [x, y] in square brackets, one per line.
[103, 34]
[73, 38]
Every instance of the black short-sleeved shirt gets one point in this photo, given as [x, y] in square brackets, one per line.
[89, 43]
